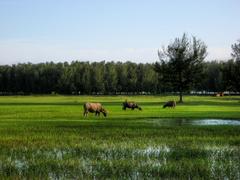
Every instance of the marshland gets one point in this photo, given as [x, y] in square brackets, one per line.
[48, 137]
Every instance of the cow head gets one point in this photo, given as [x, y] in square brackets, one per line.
[104, 111]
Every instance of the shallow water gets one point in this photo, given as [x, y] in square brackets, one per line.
[215, 122]
[199, 122]
[222, 161]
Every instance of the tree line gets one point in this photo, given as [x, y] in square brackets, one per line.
[78, 78]
[108, 78]
[181, 68]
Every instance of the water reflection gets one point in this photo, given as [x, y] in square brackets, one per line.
[200, 122]
[215, 122]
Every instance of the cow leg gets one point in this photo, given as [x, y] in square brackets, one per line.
[97, 113]
[85, 113]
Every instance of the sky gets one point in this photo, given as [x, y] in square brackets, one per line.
[112, 30]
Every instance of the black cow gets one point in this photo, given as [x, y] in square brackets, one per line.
[131, 105]
[171, 104]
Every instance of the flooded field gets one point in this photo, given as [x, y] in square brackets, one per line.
[140, 149]
[219, 162]
[48, 138]
[197, 122]
[214, 122]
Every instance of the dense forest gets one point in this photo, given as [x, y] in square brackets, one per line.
[108, 78]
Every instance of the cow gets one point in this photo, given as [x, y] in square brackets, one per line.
[171, 104]
[131, 105]
[96, 108]
[219, 94]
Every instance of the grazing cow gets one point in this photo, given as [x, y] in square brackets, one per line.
[219, 94]
[131, 105]
[96, 108]
[171, 104]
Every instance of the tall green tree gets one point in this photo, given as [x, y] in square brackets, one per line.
[110, 78]
[181, 63]
[66, 81]
[213, 77]
[229, 76]
[236, 51]
[96, 77]
[236, 55]
[150, 79]
[131, 79]
[121, 77]
[232, 69]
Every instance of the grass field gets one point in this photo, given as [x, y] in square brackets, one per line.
[48, 137]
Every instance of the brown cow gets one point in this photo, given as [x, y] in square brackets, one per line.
[171, 104]
[219, 94]
[96, 108]
[131, 105]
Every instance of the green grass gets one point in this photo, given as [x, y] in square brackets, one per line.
[48, 137]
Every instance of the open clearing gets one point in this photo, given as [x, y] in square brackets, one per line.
[48, 137]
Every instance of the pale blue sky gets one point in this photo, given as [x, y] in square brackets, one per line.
[94, 30]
